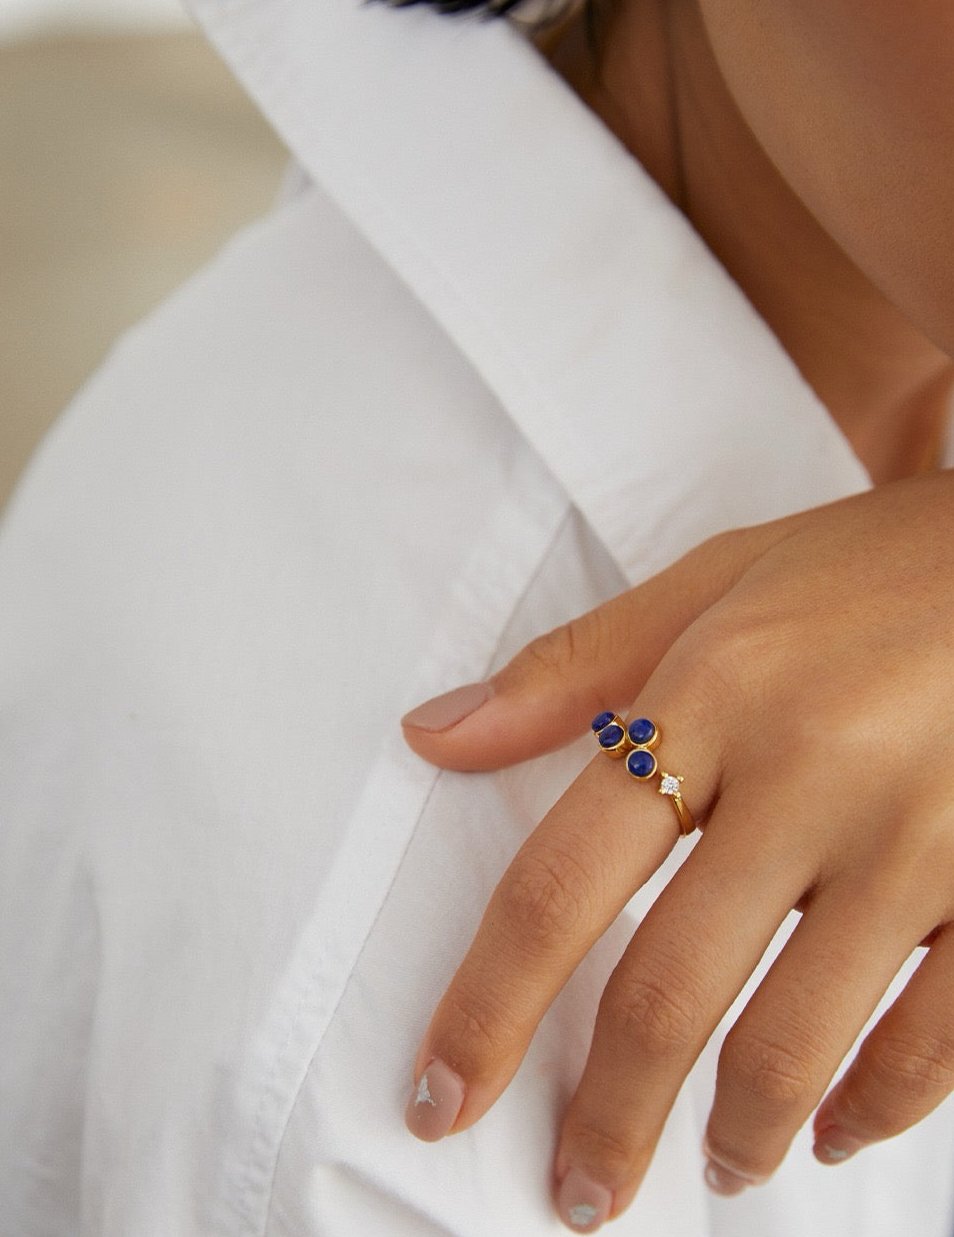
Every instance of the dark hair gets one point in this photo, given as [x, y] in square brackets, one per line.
[488, 8]
[552, 12]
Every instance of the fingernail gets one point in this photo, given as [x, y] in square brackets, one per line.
[447, 710]
[582, 1204]
[833, 1145]
[435, 1102]
[723, 1181]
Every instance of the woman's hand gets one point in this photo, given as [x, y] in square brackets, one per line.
[801, 673]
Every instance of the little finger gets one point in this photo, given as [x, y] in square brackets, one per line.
[904, 1068]
[798, 1026]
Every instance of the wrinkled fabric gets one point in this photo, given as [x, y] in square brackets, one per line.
[472, 376]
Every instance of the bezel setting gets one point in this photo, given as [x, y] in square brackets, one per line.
[641, 764]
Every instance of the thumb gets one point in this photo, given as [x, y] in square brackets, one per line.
[549, 692]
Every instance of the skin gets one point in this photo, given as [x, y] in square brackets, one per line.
[825, 125]
[825, 128]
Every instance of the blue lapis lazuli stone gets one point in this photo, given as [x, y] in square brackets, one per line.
[641, 731]
[641, 764]
[601, 720]
[610, 736]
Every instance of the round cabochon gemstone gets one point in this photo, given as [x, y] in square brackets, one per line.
[641, 731]
[602, 719]
[610, 736]
[641, 764]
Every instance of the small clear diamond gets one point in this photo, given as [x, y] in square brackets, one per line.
[669, 785]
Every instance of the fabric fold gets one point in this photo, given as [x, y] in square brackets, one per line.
[552, 259]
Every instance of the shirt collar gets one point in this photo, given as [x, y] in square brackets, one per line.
[610, 333]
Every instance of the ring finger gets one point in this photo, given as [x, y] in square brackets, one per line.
[592, 851]
[904, 1068]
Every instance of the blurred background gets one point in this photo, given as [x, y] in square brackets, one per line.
[127, 156]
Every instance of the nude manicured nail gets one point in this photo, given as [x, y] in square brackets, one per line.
[833, 1146]
[447, 710]
[583, 1205]
[723, 1181]
[435, 1103]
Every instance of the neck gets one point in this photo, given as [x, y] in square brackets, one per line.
[657, 86]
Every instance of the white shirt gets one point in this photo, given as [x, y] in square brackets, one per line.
[474, 378]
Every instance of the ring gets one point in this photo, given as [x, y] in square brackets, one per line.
[635, 741]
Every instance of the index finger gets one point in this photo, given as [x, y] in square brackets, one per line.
[593, 850]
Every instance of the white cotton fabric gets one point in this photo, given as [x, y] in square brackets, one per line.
[473, 376]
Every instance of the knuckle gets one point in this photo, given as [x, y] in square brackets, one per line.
[726, 660]
[657, 1013]
[553, 649]
[614, 1156]
[770, 1073]
[588, 638]
[722, 557]
[545, 897]
[557, 648]
[850, 731]
[920, 1067]
[744, 640]
[476, 1031]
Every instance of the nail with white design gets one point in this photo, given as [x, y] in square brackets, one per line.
[583, 1205]
[435, 1103]
[833, 1145]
